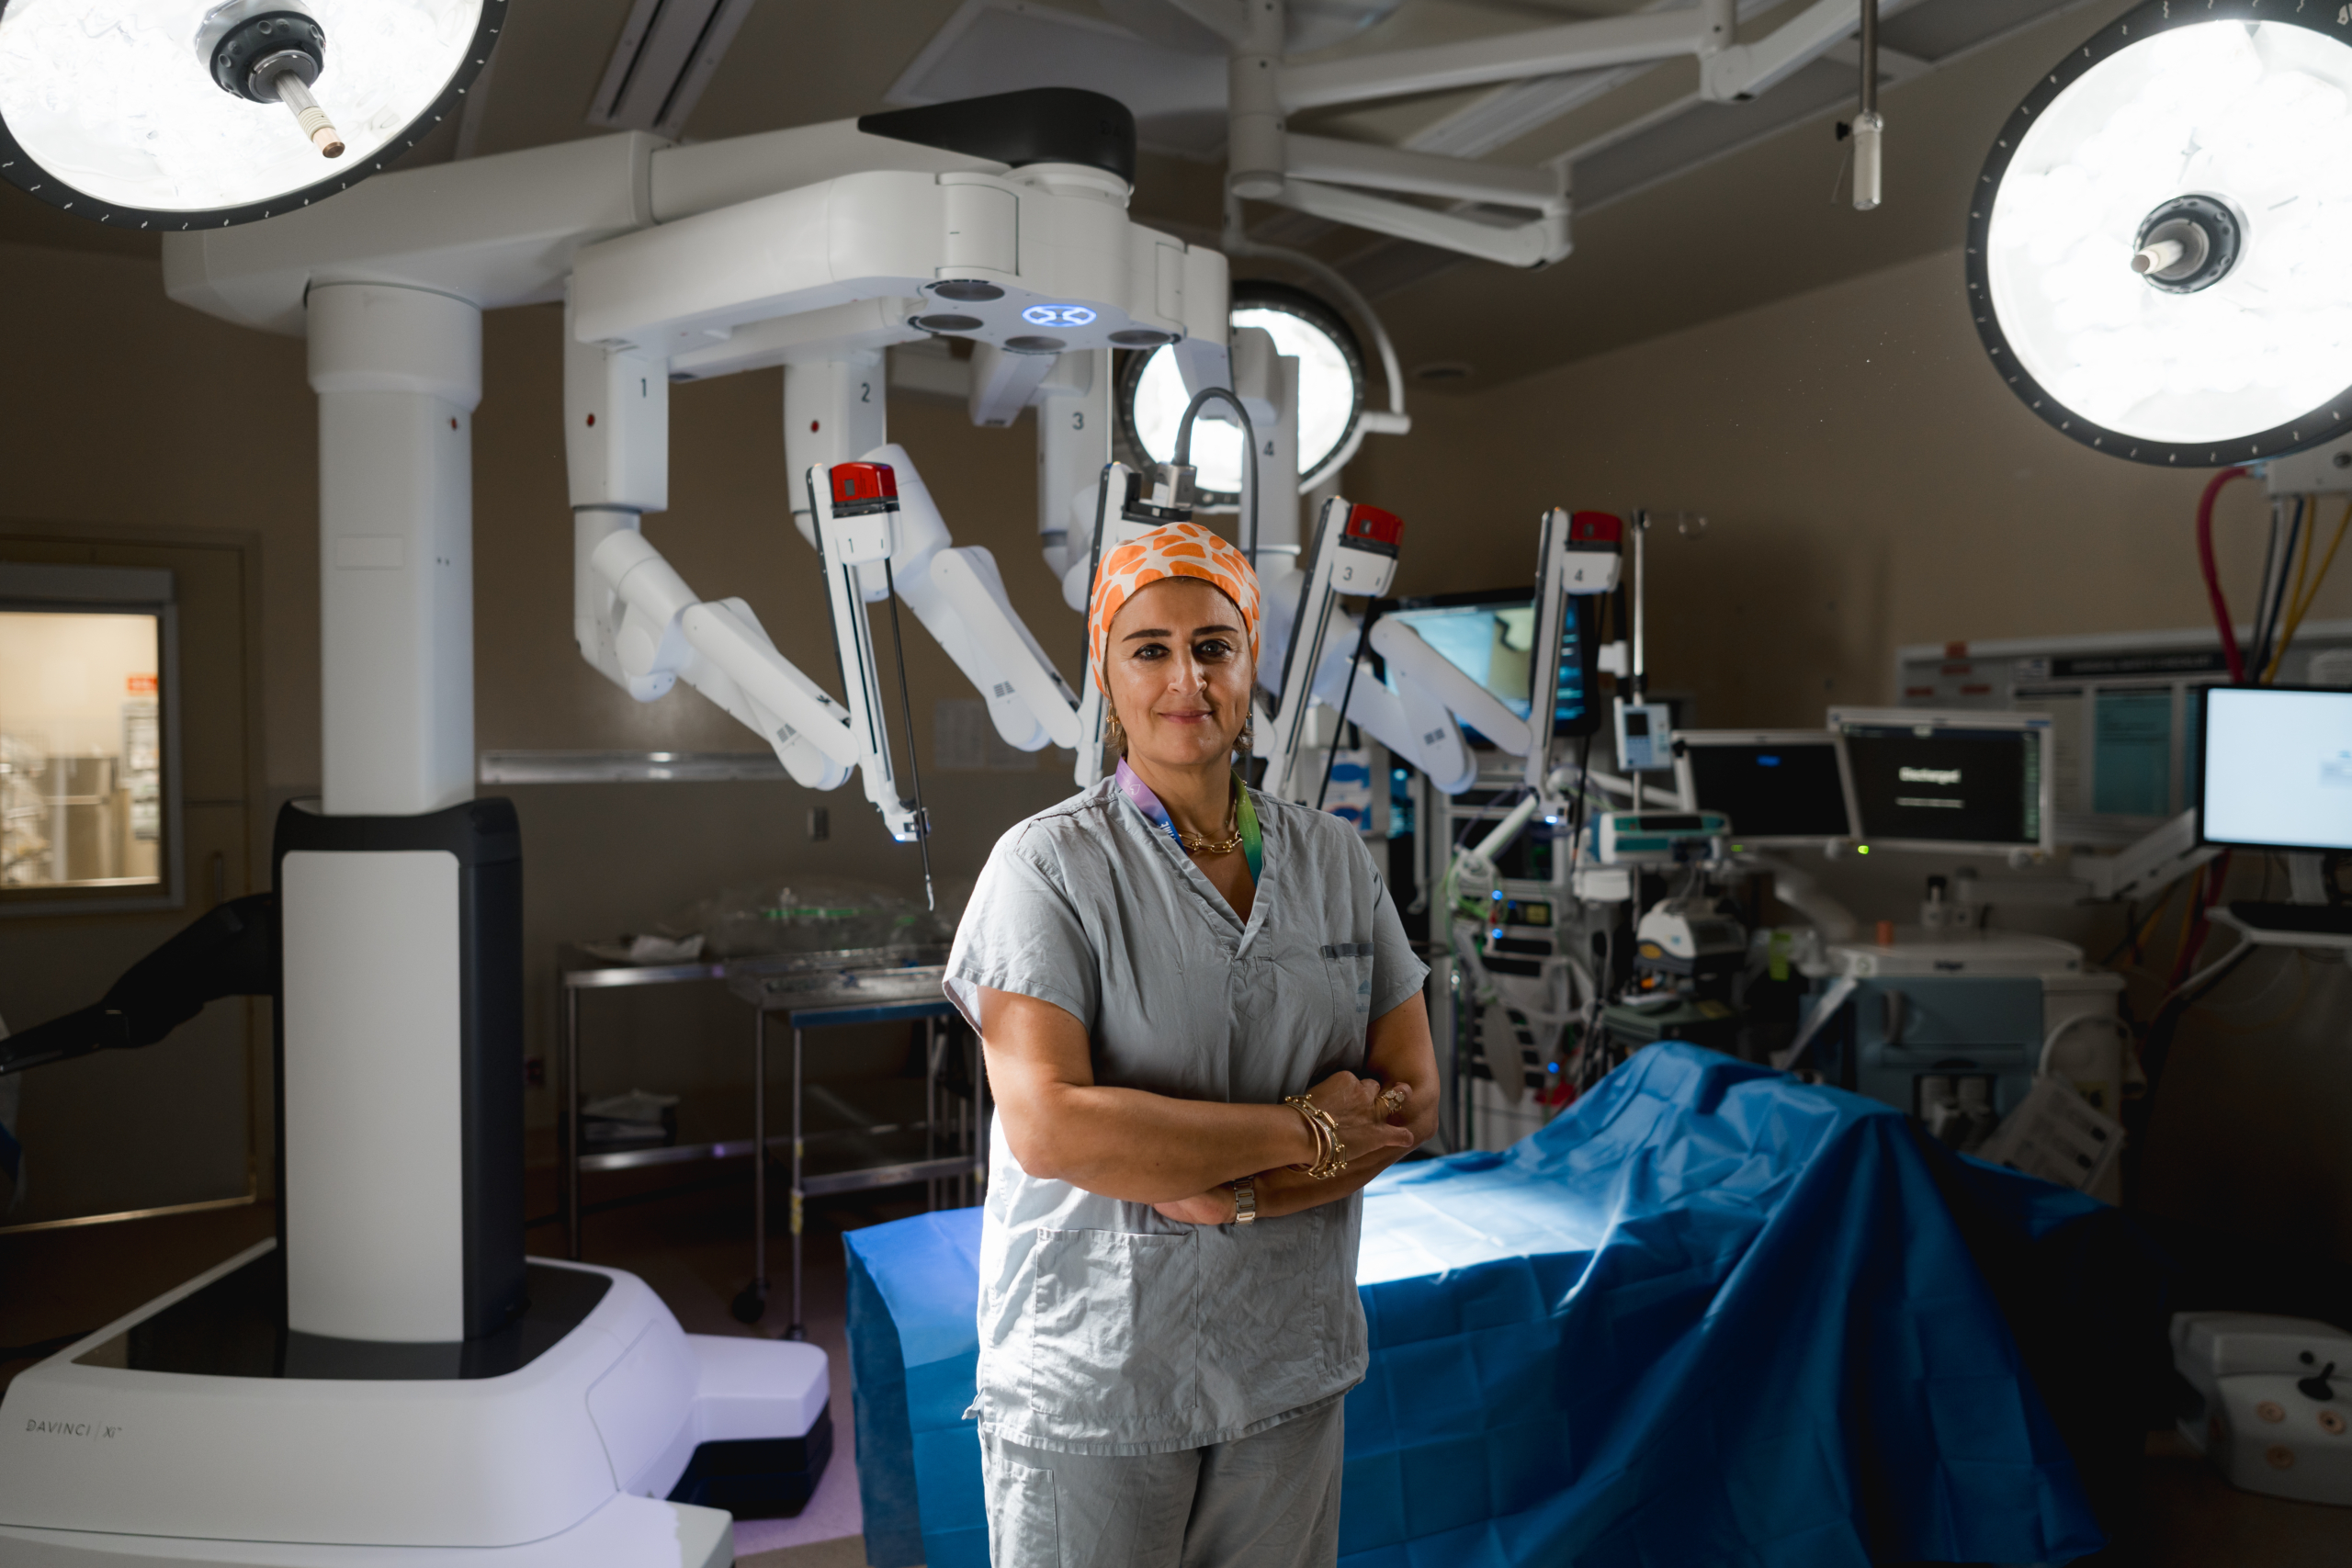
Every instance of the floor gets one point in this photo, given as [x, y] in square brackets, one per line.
[692, 1247]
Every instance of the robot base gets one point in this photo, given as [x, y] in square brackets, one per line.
[199, 1429]
[627, 1532]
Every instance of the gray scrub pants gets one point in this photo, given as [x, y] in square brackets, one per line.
[1267, 1501]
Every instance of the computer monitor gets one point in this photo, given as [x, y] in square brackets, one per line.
[1490, 634]
[1972, 782]
[2277, 768]
[1778, 786]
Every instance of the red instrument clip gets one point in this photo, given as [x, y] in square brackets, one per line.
[1370, 525]
[1596, 528]
[864, 486]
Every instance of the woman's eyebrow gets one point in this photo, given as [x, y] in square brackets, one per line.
[1196, 631]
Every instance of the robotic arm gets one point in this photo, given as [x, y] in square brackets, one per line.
[1419, 711]
[857, 509]
[1577, 555]
[665, 633]
[812, 279]
[1355, 551]
[635, 619]
[959, 594]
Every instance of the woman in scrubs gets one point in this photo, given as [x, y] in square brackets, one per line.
[1204, 1033]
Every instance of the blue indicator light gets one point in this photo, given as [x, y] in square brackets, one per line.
[1768, 761]
[1059, 315]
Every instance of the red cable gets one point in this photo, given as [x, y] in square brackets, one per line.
[2212, 578]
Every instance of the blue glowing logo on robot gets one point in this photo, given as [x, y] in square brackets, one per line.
[1058, 315]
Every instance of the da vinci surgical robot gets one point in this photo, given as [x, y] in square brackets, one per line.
[391, 1377]
[390, 1382]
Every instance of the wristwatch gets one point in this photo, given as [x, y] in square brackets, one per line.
[1245, 1201]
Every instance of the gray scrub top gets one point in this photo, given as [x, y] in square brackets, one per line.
[1105, 1328]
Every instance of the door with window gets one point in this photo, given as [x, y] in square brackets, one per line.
[129, 804]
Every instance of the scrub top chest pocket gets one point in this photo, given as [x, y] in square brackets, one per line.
[1349, 966]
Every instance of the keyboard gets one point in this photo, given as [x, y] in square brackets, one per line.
[2311, 920]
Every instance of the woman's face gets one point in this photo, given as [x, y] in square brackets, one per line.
[1177, 666]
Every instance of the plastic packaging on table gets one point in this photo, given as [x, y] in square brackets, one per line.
[809, 915]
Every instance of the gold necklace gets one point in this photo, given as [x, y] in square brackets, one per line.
[1202, 845]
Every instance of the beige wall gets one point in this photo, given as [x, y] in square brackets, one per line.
[1869, 483]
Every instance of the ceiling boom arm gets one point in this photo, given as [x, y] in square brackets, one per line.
[1332, 179]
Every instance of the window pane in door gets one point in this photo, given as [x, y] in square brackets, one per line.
[81, 749]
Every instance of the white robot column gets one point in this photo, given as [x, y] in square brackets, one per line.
[397, 372]
[399, 1028]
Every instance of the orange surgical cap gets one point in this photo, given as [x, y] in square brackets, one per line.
[1175, 549]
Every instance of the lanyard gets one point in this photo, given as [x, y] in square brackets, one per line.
[1253, 843]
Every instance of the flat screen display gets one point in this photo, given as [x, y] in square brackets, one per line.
[1944, 782]
[1770, 788]
[2277, 768]
[1488, 636]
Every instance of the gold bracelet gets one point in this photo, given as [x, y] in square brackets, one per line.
[1329, 1150]
[1317, 1128]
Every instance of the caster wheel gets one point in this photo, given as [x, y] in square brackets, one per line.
[751, 1303]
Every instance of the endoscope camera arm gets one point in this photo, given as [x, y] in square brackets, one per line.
[1183, 462]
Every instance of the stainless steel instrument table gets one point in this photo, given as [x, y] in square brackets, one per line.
[818, 989]
[808, 1001]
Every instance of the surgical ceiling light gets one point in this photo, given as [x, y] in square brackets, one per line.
[2160, 251]
[175, 114]
[1152, 397]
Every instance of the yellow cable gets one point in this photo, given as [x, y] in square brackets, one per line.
[2139, 942]
[2188, 915]
[2306, 598]
[2294, 595]
[2311, 596]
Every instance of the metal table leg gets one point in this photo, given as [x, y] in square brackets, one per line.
[797, 1329]
[568, 1158]
[752, 1303]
